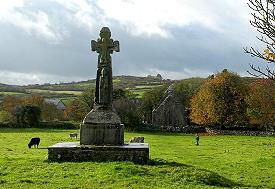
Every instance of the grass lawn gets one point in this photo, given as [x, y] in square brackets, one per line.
[219, 161]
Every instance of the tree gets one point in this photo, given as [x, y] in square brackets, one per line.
[50, 112]
[123, 94]
[29, 115]
[261, 103]
[186, 89]
[35, 100]
[220, 100]
[14, 105]
[264, 21]
[128, 111]
[87, 97]
[32, 115]
[151, 100]
[18, 113]
[119, 94]
[76, 110]
[5, 116]
[10, 102]
[127, 107]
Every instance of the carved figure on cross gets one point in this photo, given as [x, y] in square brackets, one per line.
[105, 46]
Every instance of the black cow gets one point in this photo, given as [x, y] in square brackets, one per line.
[34, 141]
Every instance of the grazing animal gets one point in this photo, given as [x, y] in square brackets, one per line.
[138, 139]
[33, 142]
[72, 135]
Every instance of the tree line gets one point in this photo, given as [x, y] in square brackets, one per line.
[28, 111]
[223, 99]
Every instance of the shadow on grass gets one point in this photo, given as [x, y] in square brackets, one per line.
[166, 172]
[158, 162]
[191, 173]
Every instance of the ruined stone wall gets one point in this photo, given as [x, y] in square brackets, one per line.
[170, 112]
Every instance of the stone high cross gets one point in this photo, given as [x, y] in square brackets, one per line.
[104, 46]
[101, 132]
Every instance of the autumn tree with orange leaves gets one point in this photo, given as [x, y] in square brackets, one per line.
[220, 101]
[76, 110]
[12, 105]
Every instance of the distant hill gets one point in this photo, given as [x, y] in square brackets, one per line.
[137, 85]
[72, 89]
[118, 81]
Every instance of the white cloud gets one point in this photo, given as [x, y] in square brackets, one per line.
[18, 78]
[34, 23]
[6, 6]
[80, 13]
[138, 17]
[155, 16]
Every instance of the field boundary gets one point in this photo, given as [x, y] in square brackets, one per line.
[212, 131]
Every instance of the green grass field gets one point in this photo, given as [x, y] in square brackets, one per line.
[42, 91]
[138, 93]
[12, 93]
[140, 89]
[176, 162]
[147, 86]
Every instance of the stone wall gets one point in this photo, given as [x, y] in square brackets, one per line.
[212, 131]
[187, 129]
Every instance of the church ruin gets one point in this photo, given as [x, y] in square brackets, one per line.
[170, 111]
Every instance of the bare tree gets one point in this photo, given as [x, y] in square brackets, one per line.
[264, 21]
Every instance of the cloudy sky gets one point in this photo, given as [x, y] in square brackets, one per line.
[48, 41]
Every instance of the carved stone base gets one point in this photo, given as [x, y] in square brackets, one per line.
[72, 151]
[102, 134]
[102, 127]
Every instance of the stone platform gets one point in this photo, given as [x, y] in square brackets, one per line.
[74, 152]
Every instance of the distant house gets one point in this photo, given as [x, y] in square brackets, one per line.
[57, 102]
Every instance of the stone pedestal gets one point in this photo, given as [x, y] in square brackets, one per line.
[101, 139]
[74, 152]
[102, 134]
[102, 127]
